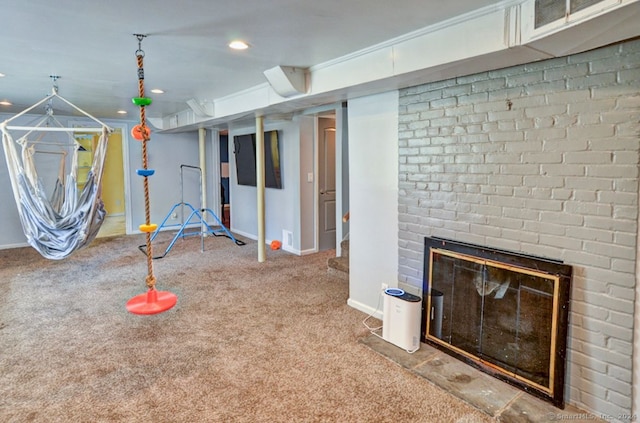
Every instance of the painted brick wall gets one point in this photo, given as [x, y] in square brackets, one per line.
[540, 158]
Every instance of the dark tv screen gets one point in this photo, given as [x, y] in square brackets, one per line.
[245, 153]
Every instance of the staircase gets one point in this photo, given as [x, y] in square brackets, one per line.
[339, 266]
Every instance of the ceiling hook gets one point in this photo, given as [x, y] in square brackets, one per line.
[140, 37]
[55, 78]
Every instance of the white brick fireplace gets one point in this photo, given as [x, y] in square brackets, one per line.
[543, 159]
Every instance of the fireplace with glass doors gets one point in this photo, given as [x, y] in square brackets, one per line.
[502, 312]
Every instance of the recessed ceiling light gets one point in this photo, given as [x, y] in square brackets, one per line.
[5, 103]
[2, 75]
[157, 91]
[238, 45]
[121, 112]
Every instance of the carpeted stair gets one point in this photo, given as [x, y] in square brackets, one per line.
[340, 265]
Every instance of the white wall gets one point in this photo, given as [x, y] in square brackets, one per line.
[373, 178]
[342, 177]
[166, 152]
[11, 234]
[282, 206]
[307, 192]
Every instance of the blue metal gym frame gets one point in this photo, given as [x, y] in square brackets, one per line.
[199, 215]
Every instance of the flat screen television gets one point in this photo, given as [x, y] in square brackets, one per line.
[244, 147]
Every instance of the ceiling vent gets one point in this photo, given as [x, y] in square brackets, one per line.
[547, 11]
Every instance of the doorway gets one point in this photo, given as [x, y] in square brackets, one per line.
[113, 188]
[326, 136]
[225, 193]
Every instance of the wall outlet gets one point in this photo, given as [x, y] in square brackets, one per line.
[384, 286]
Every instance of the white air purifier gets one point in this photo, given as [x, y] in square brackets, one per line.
[401, 319]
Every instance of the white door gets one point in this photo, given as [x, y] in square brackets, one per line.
[326, 184]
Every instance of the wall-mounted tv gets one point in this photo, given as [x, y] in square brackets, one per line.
[244, 147]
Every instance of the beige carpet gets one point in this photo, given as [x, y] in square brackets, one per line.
[247, 342]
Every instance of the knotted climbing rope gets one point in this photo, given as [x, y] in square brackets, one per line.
[153, 301]
[150, 280]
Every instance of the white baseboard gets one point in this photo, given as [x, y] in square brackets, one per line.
[370, 311]
[10, 246]
[244, 234]
[268, 242]
[307, 252]
[292, 251]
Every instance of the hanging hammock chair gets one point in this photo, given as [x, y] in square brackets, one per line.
[71, 216]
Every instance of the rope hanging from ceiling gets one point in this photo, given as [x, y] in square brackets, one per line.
[153, 301]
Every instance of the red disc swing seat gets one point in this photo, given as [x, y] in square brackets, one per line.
[152, 302]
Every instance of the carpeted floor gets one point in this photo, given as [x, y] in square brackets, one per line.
[247, 342]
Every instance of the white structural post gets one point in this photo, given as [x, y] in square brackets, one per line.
[202, 133]
[203, 188]
[260, 184]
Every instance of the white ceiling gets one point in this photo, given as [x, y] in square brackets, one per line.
[90, 45]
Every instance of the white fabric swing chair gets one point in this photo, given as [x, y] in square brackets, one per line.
[72, 216]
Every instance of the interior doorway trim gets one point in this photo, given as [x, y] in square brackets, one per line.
[124, 131]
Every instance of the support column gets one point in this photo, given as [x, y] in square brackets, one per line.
[260, 184]
[202, 133]
[203, 185]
